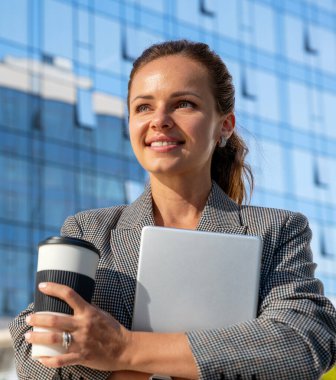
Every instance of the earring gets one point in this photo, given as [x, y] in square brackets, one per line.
[222, 142]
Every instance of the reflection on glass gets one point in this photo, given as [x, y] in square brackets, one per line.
[58, 28]
[13, 23]
[138, 40]
[107, 44]
[83, 26]
[85, 114]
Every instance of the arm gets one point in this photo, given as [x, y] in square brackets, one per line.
[294, 334]
[31, 369]
[294, 318]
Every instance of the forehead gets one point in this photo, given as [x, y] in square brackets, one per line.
[170, 71]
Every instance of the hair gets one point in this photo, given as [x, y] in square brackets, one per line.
[228, 166]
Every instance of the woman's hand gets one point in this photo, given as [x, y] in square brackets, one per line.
[98, 340]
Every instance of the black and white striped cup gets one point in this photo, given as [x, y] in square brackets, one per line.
[68, 261]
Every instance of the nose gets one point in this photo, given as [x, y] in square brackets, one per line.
[161, 120]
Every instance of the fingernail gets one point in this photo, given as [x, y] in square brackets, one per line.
[28, 319]
[42, 285]
[27, 336]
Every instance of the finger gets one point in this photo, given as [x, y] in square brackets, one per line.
[68, 295]
[71, 358]
[53, 321]
[50, 338]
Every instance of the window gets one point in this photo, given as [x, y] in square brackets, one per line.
[83, 25]
[325, 177]
[12, 234]
[328, 5]
[310, 44]
[14, 190]
[259, 94]
[98, 190]
[136, 41]
[247, 85]
[323, 247]
[299, 110]
[16, 109]
[326, 41]
[266, 158]
[329, 115]
[294, 38]
[58, 29]
[13, 25]
[107, 45]
[85, 114]
[268, 96]
[58, 152]
[305, 168]
[208, 7]
[87, 190]
[226, 22]
[59, 195]
[187, 11]
[111, 7]
[16, 282]
[328, 244]
[57, 119]
[154, 21]
[264, 28]
[133, 190]
[246, 13]
[213, 15]
[153, 5]
[109, 134]
[110, 191]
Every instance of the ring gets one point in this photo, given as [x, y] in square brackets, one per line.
[67, 339]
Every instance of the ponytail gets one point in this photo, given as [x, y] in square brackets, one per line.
[229, 169]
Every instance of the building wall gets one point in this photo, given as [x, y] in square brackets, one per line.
[64, 145]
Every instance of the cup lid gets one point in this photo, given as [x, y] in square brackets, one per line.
[71, 241]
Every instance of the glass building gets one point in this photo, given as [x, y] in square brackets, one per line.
[64, 145]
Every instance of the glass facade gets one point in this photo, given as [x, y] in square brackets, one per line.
[64, 145]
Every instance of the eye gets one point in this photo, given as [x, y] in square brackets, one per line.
[185, 104]
[142, 108]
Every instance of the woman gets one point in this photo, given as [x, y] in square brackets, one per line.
[181, 103]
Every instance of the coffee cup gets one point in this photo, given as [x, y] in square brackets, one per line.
[67, 261]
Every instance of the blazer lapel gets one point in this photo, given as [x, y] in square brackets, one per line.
[220, 214]
[125, 244]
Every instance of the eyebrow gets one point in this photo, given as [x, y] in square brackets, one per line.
[173, 95]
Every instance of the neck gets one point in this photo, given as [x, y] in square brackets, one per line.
[179, 202]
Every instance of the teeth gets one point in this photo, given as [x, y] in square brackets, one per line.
[164, 143]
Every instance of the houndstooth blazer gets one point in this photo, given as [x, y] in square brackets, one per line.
[294, 335]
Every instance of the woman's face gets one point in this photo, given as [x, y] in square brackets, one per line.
[174, 124]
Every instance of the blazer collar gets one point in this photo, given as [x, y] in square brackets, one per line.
[220, 214]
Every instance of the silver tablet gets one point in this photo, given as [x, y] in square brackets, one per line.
[191, 280]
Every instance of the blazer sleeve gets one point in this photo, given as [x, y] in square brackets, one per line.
[294, 335]
[31, 369]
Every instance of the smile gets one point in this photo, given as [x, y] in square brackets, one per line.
[164, 143]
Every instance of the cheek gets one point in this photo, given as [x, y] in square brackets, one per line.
[135, 130]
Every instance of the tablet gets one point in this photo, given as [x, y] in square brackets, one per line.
[191, 280]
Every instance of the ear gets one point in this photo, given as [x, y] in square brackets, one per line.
[228, 123]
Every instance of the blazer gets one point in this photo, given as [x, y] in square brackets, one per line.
[294, 334]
